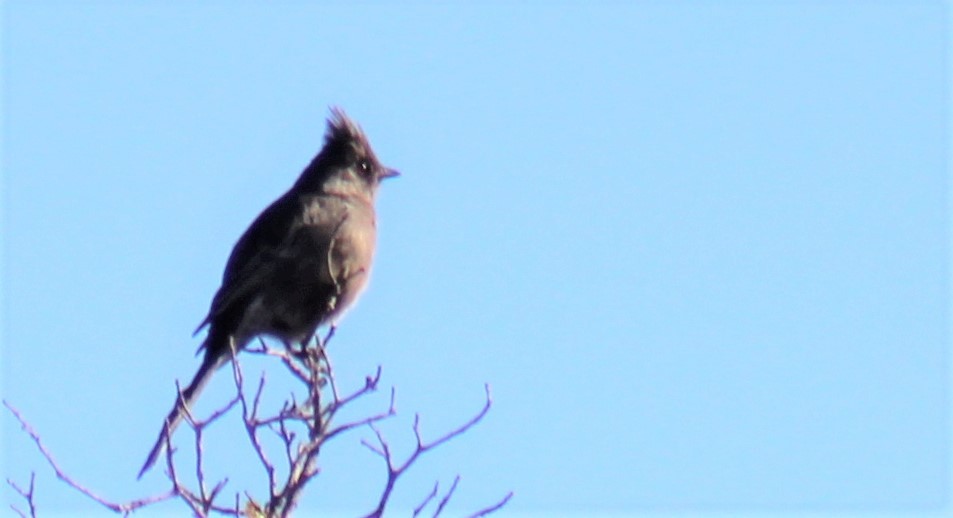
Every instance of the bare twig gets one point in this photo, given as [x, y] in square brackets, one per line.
[446, 498]
[430, 496]
[302, 427]
[493, 508]
[394, 472]
[27, 495]
[124, 508]
[251, 425]
[284, 356]
[316, 416]
[391, 411]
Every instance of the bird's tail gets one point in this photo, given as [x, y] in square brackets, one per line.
[187, 397]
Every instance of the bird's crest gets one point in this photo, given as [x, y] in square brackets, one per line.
[342, 129]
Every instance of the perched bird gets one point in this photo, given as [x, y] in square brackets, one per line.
[300, 264]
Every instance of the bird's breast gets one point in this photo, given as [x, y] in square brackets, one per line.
[344, 234]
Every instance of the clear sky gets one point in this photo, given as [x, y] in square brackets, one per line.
[700, 250]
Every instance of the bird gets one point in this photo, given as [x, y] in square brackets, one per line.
[301, 264]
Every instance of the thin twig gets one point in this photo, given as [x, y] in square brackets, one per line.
[394, 472]
[124, 508]
[391, 411]
[249, 419]
[493, 508]
[433, 493]
[446, 498]
[27, 495]
[315, 414]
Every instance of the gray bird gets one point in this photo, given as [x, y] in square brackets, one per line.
[301, 264]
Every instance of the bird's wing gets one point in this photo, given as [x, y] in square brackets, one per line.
[253, 256]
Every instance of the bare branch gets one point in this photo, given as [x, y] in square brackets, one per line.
[124, 508]
[249, 419]
[431, 496]
[464, 427]
[283, 355]
[393, 473]
[303, 426]
[27, 495]
[446, 498]
[493, 508]
[391, 411]
[370, 385]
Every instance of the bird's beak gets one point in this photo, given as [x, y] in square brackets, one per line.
[389, 173]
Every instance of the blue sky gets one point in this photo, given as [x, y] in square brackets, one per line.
[699, 250]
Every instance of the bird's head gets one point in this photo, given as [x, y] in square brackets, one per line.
[346, 164]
